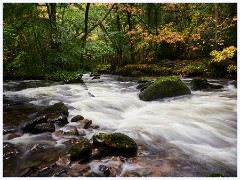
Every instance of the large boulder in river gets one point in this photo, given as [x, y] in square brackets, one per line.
[169, 86]
[117, 143]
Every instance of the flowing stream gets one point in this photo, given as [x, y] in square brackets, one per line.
[193, 135]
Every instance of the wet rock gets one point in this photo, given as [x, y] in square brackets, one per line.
[202, 84]
[100, 152]
[170, 86]
[58, 108]
[13, 135]
[199, 84]
[29, 126]
[77, 170]
[81, 151]
[81, 133]
[58, 119]
[62, 173]
[143, 86]
[29, 172]
[43, 127]
[7, 131]
[86, 123]
[104, 170]
[117, 143]
[77, 118]
[72, 132]
[9, 150]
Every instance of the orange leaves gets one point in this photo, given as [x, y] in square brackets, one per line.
[132, 9]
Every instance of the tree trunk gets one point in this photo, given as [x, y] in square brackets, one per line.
[85, 33]
[52, 12]
[216, 16]
[129, 16]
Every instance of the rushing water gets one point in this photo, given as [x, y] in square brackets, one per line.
[195, 134]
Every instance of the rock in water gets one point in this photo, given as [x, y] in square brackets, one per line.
[55, 109]
[43, 127]
[28, 126]
[199, 84]
[203, 84]
[169, 86]
[117, 143]
[81, 151]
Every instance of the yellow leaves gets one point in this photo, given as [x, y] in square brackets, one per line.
[93, 37]
[219, 56]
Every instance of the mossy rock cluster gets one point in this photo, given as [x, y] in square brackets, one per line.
[47, 118]
[104, 144]
[169, 86]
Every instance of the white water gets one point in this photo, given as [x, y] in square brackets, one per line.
[203, 125]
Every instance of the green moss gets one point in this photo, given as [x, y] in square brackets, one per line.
[116, 143]
[169, 86]
[81, 151]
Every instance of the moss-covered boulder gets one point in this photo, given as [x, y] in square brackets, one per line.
[169, 86]
[117, 143]
[81, 151]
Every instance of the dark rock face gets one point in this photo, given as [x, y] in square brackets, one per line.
[202, 84]
[28, 126]
[117, 143]
[170, 86]
[43, 127]
[81, 151]
[199, 84]
[55, 114]
[55, 109]
[77, 118]
[59, 119]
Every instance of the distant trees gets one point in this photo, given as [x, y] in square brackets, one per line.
[42, 38]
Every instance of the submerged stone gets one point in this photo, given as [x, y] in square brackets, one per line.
[170, 86]
[117, 143]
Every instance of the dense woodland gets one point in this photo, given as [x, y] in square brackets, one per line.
[60, 41]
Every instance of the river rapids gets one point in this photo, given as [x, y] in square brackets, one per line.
[193, 135]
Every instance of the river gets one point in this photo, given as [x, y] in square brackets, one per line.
[192, 136]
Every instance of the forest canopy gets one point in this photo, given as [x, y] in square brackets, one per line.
[60, 41]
